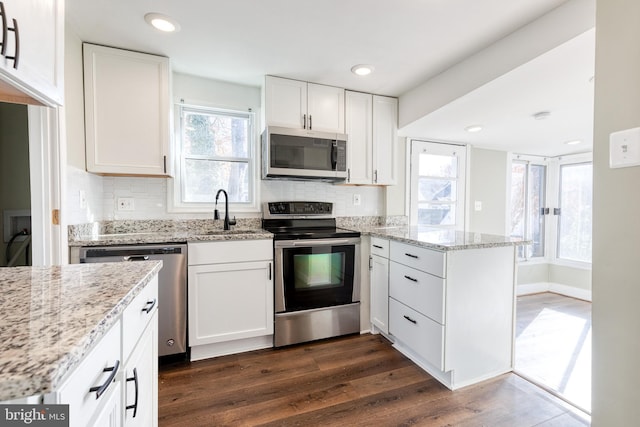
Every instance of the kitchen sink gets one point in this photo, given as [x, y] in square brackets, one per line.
[226, 232]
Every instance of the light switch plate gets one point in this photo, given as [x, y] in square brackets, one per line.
[624, 148]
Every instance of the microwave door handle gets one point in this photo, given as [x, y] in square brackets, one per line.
[334, 155]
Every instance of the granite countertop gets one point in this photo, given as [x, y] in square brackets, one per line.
[51, 317]
[443, 240]
[181, 236]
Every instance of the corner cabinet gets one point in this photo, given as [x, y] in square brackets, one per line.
[230, 297]
[452, 312]
[127, 112]
[371, 123]
[301, 105]
[33, 57]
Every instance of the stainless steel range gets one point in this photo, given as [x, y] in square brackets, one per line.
[317, 272]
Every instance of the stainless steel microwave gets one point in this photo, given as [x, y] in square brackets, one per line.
[303, 154]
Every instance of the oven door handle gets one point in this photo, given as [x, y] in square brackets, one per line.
[315, 242]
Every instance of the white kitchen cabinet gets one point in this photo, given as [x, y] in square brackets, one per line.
[131, 344]
[452, 312]
[37, 70]
[371, 124]
[301, 105]
[230, 297]
[127, 112]
[140, 355]
[379, 265]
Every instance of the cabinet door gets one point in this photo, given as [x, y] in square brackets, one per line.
[110, 415]
[380, 293]
[385, 144]
[142, 367]
[286, 102]
[39, 71]
[126, 111]
[358, 112]
[325, 108]
[230, 301]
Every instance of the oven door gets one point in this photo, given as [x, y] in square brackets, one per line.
[314, 273]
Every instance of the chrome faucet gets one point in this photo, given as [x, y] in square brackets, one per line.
[216, 215]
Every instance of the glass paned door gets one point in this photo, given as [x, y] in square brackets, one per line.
[437, 184]
[575, 222]
[528, 192]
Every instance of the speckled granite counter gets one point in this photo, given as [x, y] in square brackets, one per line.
[443, 240]
[51, 317]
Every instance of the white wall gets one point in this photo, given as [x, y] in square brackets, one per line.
[488, 184]
[616, 224]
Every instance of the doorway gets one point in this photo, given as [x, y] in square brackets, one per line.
[15, 186]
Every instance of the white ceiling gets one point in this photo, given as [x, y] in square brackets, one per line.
[407, 41]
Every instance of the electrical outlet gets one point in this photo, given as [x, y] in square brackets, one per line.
[125, 204]
[478, 205]
[83, 199]
[356, 200]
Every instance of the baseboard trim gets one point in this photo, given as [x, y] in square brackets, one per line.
[557, 288]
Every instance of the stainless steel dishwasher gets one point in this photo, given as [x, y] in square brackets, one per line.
[172, 286]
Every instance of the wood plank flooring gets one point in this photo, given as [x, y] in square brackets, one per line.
[553, 344]
[359, 380]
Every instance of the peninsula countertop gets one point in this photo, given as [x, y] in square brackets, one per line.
[438, 239]
[51, 317]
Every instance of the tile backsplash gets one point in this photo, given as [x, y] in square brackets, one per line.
[150, 197]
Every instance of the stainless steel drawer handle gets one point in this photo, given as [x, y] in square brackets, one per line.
[411, 278]
[411, 255]
[99, 390]
[149, 306]
[411, 320]
[377, 246]
[134, 378]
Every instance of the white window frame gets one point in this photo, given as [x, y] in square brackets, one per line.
[552, 200]
[445, 148]
[175, 203]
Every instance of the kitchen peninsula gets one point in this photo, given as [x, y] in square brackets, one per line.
[67, 329]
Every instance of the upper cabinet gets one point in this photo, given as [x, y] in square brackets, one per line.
[127, 112]
[32, 51]
[302, 105]
[371, 126]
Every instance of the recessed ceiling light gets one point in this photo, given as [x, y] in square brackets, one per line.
[362, 69]
[541, 115]
[573, 142]
[473, 128]
[162, 22]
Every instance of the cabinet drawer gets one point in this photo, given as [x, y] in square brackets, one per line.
[427, 260]
[90, 373]
[419, 333]
[380, 247]
[230, 251]
[137, 315]
[421, 291]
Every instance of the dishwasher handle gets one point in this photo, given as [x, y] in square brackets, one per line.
[136, 258]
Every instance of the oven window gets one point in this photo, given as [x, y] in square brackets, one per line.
[320, 276]
[318, 271]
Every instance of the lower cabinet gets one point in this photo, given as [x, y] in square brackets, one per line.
[230, 297]
[451, 312]
[116, 384]
[379, 266]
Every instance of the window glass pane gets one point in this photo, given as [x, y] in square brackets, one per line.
[215, 135]
[537, 177]
[438, 166]
[574, 236]
[203, 178]
[518, 193]
[436, 190]
[440, 214]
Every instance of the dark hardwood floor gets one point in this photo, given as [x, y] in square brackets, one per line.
[348, 381]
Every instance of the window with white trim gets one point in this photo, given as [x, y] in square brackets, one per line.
[215, 149]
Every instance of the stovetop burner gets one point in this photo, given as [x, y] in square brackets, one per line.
[302, 220]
